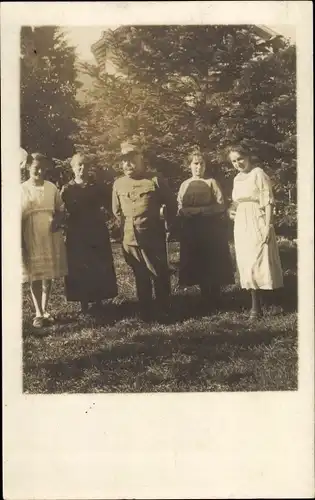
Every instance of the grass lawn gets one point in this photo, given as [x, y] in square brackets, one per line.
[114, 351]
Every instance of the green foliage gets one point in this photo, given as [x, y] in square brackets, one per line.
[48, 92]
[180, 86]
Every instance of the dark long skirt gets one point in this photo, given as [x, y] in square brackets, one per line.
[205, 257]
[91, 273]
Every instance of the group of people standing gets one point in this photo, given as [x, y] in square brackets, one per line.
[84, 258]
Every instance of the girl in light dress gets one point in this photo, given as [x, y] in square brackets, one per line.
[256, 248]
[205, 258]
[43, 248]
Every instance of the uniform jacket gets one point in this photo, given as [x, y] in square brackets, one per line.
[137, 204]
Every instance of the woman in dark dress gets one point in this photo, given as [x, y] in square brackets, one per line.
[91, 274]
[205, 258]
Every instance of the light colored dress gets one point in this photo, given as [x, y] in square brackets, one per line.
[45, 253]
[258, 263]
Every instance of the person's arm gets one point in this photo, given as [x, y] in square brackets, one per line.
[23, 244]
[59, 214]
[266, 201]
[117, 210]
[269, 221]
[232, 210]
[180, 196]
[219, 206]
[168, 199]
[105, 192]
[116, 206]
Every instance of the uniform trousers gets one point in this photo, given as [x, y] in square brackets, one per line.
[149, 264]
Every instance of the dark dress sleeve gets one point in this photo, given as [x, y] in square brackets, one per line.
[68, 198]
[168, 199]
[218, 196]
[105, 197]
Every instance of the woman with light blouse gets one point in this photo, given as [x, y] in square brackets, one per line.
[205, 258]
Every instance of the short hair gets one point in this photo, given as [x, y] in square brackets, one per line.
[246, 150]
[39, 158]
[75, 156]
[28, 160]
[195, 152]
[241, 149]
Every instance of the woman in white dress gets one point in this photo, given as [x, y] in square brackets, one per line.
[256, 248]
[43, 248]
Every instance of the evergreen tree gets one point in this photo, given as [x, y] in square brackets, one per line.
[48, 106]
[261, 113]
[180, 86]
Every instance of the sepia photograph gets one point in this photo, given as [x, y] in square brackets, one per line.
[158, 282]
[159, 208]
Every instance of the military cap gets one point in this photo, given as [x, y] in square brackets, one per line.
[130, 146]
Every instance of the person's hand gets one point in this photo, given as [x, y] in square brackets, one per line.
[54, 227]
[58, 222]
[232, 213]
[191, 211]
[266, 235]
[163, 212]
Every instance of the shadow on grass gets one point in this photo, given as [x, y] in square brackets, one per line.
[109, 352]
[184, 306]
[157, 362]
[236, 299]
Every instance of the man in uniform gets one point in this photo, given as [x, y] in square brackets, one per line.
[138, 197]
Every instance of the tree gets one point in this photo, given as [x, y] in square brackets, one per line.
[180, 86]
[262, 108]
[48, 106]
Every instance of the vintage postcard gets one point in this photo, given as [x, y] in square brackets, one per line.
[158, 322]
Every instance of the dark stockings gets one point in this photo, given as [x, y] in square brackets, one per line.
[256, 302]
